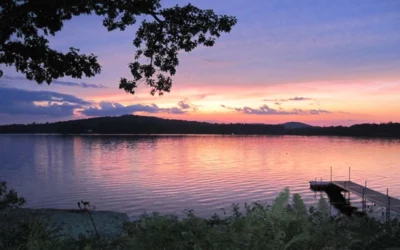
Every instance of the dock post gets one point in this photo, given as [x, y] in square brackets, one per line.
[315, 192]
[349, 174]
[388, 206]
[348, 193]
[363, 199]
[348, 198]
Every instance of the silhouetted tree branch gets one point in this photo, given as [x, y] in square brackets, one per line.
[26, 24]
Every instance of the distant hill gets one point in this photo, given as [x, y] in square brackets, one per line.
[295, 125]
[133, 124]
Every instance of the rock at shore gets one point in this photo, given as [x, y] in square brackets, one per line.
[67, 223]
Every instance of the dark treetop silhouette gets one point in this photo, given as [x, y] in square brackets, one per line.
[25, 24]
[134, 124]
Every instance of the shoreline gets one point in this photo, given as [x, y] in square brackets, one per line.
[372, 137]
[68, 223]
[71, 223]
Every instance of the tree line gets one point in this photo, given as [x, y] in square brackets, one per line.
[133, 124]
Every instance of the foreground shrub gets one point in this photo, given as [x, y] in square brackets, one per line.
[9, 198]
[281, 225]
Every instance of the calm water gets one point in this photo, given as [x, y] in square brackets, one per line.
[134, 174]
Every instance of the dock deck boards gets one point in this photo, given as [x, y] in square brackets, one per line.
[370, 194]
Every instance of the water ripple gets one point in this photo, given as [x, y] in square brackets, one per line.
[205, 173]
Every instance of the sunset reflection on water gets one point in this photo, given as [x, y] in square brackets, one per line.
[136, 174]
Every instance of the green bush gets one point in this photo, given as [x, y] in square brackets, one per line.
[281, 225]
[9, 198]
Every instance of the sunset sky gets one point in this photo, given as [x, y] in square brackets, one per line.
[319, 62]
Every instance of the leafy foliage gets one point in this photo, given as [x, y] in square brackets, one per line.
[26, 24]
[257, 226]
[9, 198]
[262, 227]
[33, 234]
[298, 205]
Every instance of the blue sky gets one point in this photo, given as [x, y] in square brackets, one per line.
[343, 55]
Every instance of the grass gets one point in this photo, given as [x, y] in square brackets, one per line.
[284, 224]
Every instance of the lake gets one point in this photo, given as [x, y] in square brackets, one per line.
[137, 174]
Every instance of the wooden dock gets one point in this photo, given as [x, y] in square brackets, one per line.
[376, 197]
[384, 200]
